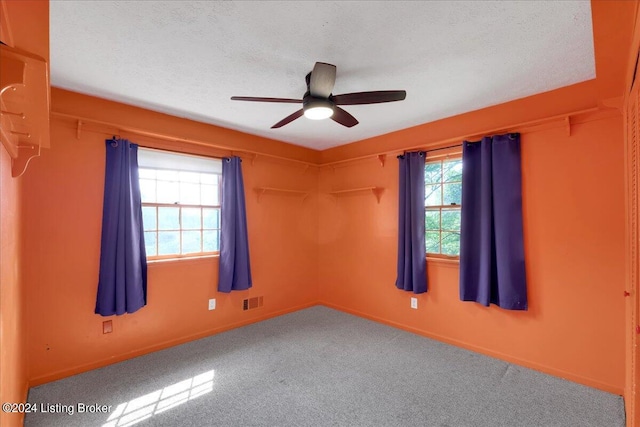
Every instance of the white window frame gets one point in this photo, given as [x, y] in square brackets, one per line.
[442, 207]
[166, 163]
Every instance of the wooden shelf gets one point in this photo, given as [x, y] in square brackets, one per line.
[24, 102]
[271, 190]
[376, 191]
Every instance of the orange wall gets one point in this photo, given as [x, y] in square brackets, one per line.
[573, 197]
[23, 25]
[63, 209]
[13, 373]
[632, 385]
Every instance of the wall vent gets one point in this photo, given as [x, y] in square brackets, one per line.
[251, 303]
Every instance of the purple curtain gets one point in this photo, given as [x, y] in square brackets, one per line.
[235, 267]
[492, 269]
[122, 283]
[412, 264]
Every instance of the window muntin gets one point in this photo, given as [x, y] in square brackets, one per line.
[443, 198]
[180, 205]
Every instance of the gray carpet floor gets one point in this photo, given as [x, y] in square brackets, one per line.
[320, 367]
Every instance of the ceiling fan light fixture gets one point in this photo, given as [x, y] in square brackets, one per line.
[318, 109]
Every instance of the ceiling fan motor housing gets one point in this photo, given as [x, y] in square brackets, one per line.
[317, 108]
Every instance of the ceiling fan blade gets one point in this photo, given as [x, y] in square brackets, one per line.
[323, 77]
[375, 97]
[252, 98]
[288, 119]
[344, 118]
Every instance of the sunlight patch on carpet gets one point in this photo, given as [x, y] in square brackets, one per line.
[144, 407]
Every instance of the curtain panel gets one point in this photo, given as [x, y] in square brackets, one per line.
[412, 263]
[235, 266]
[492, 266]
[122, 282]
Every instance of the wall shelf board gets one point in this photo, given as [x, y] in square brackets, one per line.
[284, 191]
[376, 191]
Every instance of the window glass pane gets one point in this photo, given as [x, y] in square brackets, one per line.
[451, 243]
[191, 218]
[433, 195]
[433, 241]
[452, 170]
[190, 177]
[167, 175]
[150, 243]
[168, 218]
[146, 173]
[148, 190]
[175, 229]
[432, 220]
[432, 173]
[211, 242]
[191, 242]
[208, 178]
[452, 193]
[168, 242]
[216, 196]
[209, 194]
[189, 193]
[149, 217]
[451, 219]
[168, 192]
[209, 218]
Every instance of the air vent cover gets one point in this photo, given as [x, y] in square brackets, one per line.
[251, 303]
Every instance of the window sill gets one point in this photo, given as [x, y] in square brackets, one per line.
[196, 259]
[445, 261]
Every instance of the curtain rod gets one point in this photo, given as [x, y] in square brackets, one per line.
[460, 145]
[169, 138]
[443, 148]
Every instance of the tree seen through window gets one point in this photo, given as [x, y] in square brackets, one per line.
[443, 198]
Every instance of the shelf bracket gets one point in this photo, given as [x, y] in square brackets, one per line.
[377, 192]
[567, 121]
[617, 103]
[26, 153]
[382, 158]
[78, 129]
[260, 192]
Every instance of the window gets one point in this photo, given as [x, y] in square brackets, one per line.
[180, 204]
[443, 197]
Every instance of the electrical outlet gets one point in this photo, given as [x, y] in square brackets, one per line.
[212, 304]
[414, 303]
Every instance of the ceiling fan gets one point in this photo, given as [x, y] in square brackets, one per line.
[319, 103]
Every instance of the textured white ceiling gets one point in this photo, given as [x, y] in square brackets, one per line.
[187, 58]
